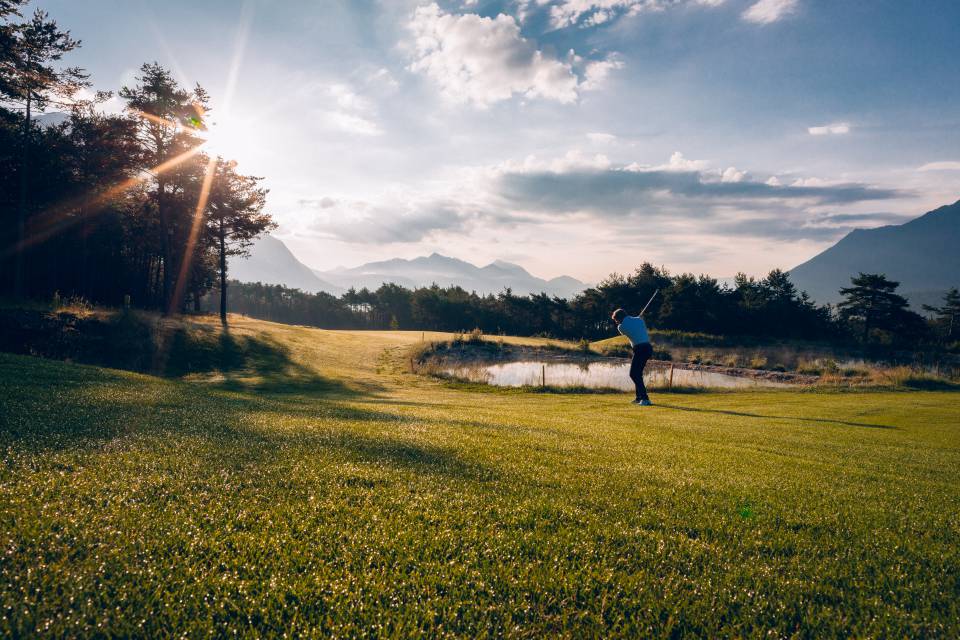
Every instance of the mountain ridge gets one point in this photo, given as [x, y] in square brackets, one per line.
[271, 262]
[922, 254]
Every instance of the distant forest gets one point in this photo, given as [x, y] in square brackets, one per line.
[769, 307]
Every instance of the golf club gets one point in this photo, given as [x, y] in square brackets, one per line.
[649, 301]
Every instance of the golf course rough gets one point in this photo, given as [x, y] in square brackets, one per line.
[327, 491]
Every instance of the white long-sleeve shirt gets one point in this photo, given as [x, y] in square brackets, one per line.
[635, 329]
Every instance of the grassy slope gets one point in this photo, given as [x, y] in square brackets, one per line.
[331, 492]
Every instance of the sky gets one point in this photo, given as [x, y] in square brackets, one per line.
[574, 137]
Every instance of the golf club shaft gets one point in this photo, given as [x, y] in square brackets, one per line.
[649, 301]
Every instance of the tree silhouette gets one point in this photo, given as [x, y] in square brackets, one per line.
[872, 303]
[949, 314]
[235, 218]
[33, 80]
[168, 119]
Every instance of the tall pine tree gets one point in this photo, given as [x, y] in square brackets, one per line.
[235, 218]
[32, 80]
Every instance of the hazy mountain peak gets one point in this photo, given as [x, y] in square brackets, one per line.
[921, 254]
[271, 262]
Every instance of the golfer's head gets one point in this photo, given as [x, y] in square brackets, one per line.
[619, 315]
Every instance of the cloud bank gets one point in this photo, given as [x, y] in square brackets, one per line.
[481, 61]
[577, 191]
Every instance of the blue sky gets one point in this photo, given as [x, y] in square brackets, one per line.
[575, 137]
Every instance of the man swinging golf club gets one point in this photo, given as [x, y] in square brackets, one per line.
[635, 329]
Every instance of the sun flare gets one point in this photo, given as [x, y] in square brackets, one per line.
[233, 137]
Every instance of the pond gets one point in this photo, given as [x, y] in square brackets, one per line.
[599, 375]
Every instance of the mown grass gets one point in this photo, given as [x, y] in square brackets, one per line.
[364, 500]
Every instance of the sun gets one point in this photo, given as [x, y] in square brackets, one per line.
[232, 137]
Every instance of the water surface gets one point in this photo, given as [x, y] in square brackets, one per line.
[598, 375]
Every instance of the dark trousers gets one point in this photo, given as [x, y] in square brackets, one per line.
[641, 353]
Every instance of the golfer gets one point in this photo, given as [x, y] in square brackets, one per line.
[636, 331]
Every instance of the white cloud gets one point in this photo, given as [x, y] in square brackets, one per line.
[732, 174]
[598, 137]
[349, 112]
[677, 163]
[589, 13]
[833, 129]
[767, 11]
[482, 60]
[596, 72]
[945, 165]
[351, 123]
[573, 160]
[384, 78]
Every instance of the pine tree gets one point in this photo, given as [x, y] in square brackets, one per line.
[235, 218]
[32, 80]
[169, 118]
[949, 314]
[872, 303]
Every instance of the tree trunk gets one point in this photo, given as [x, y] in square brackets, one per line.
[18, 271]
[867, 318]
[223, 275]
[84, 253]
[165, 249]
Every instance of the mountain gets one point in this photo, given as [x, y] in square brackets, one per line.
[922, 254]
[446, 271]
[271, 262]
[52, 119]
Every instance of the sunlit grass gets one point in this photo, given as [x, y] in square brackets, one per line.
[361, 499]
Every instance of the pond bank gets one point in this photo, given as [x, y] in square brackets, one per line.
[502, 364]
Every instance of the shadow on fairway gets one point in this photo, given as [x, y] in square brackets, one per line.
[79, 409]
[744, 414]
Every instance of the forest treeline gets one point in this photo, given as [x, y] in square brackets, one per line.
[771, 307]
[111, 208]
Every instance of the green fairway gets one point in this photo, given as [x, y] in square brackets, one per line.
[327, 491]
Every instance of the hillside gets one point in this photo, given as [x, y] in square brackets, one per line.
[922, 254]
[271, 262]
[326, 491]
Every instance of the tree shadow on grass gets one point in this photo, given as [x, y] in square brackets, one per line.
[744, 414]
[254, 364]
[96, 410]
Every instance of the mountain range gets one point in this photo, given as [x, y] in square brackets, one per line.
[923, 255]
[271, 262]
